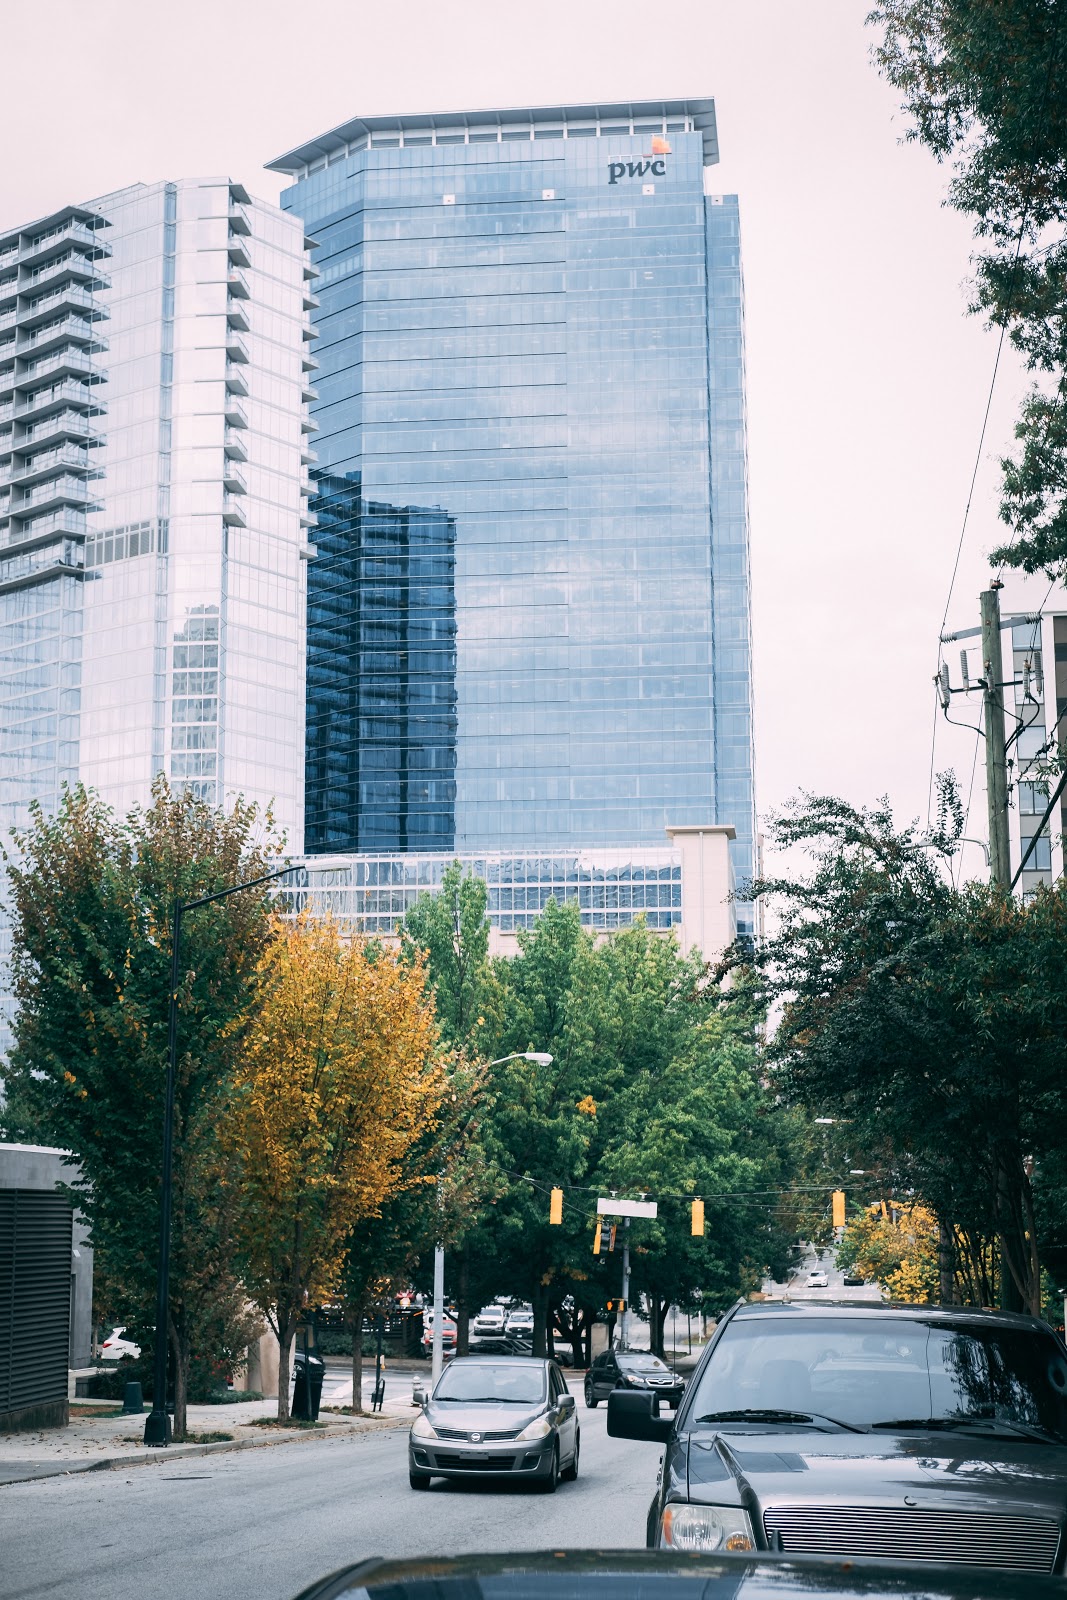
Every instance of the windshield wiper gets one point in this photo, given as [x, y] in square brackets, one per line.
[992, 1426]
[777, 1416]
[483, 1400]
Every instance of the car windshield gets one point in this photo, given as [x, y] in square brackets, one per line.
[499, 1382]
[876, 1371]
[641, 1363]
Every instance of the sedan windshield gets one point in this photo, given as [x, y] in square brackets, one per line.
[641, 1364]
[877, 1372]
[499, 1382]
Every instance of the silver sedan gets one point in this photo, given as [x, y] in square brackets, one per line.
[495, 1416]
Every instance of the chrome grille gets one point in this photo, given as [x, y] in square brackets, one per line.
[907, 1533]
[464, 1434]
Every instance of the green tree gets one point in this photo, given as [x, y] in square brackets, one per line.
[91, 908]
[985, 85]
[930, 1017]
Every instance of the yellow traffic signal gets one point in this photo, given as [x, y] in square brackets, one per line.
[697, 1224]
[555, 1207]
[839, 1208]
[596, 1241]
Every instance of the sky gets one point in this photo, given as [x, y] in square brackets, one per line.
[867, 380]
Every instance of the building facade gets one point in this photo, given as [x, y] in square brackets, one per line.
[531, 348]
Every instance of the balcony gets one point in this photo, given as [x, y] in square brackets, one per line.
[69, 297]
[234, 445]
[57, 397]
[67, 520]
[308, 425]
[311, 301]
[308, 362]
[58, 239]
[7, 321]
[233, 479]
[236, 382]
[233, 512]
[47, 462]
[239, 218]
[308, 394]
[237, 284]
[234, 412]
[307, 455]
[236, 349]
[237, 251]
[7, 412]
[237, 316]
[54, 334]
[73, 425]
[65, 491]
[308, 519]
[308, 331]
[75, 362]
[71, 267]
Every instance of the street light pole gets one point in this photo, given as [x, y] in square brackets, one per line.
[157, 1423]
[436, 1347]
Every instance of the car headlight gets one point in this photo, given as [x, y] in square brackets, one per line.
[421, 1428]
[706, 1528]
[540, 1428]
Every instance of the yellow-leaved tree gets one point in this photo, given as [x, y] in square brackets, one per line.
[341, 1076]
[899, 1251]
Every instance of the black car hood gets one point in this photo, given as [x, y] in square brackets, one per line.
[804, 1466]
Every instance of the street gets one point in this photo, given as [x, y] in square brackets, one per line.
[261, 1524]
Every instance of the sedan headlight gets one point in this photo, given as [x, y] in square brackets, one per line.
[706, 1528]
[539, 1428]
[421, 1429]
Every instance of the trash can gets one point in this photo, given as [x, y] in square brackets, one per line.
[307, 1392]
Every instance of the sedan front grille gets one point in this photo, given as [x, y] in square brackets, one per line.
[452, 1463]
[1021, 1544]
[464, 1434]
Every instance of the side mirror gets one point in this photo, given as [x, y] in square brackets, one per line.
[634, 1414]
[567, 1402]
[418, 1395]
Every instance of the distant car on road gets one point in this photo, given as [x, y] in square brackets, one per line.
[520, 1325]
[448, 1334]
[817, 1280]
[631, 1369]
[115, 1346]
[489, 1323]
[495, 1416]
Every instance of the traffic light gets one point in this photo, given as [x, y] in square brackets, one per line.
[596, 1240]
[697, 1224]
[616, 1307]
[555, 1207]
[839, 1208]
[611, 1236]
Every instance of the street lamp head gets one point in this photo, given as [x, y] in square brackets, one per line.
[542, 1057]
[826, 1121]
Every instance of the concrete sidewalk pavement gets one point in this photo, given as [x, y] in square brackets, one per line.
[93, 1443]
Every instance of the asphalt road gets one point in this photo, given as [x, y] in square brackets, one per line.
[261, 1524]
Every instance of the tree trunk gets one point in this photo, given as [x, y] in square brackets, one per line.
[463, 1310]
[1018, 1289]
[285, 1351]
[540, 1311]
[358, 1310]
[180, 1356]
[657, 1309]
[946, 1266]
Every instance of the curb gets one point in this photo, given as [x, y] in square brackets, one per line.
[174, 1452]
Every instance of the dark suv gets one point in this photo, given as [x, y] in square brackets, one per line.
[914, 1433]
[632, 1369]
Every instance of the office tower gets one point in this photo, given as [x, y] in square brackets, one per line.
[153, 509]
[532, 346]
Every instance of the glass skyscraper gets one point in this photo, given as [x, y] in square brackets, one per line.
[531, 347]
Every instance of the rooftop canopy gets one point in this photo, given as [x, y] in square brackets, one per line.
[455, 127]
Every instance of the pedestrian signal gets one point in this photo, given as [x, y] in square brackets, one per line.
[611, 1236]
[839, 1208]
[616, 1307]
[555, 1207]
[697, 1224]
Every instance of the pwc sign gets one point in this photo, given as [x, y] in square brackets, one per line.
[650, 165]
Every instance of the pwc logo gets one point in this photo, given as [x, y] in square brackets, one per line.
[651, 164]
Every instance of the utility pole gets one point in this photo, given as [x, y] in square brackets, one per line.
[996, 774]
[625, 1283]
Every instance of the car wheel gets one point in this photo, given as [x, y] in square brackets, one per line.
[550, 1483]
[569, 1474]
[419, 1480]
[590, 1398]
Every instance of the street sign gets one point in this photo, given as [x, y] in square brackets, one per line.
[626, 1208]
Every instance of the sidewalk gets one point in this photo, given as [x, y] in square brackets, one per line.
[93, 1443]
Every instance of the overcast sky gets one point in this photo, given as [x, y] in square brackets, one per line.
[867, 380]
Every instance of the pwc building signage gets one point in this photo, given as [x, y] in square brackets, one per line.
[651, 165]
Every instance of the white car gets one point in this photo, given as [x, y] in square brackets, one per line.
[520, 1325]
[817, 1280]
[489, 1323]
[115, 1346]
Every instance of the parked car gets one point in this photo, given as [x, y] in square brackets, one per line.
[661, 1575]
[116, 1345]
[907, 1433]
[493, 1416]
[489, 1323]
[631, 1369]
[520, 1325]
[448, 1333]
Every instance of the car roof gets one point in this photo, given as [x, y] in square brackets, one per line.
[497, 1361]
[862, 1309]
